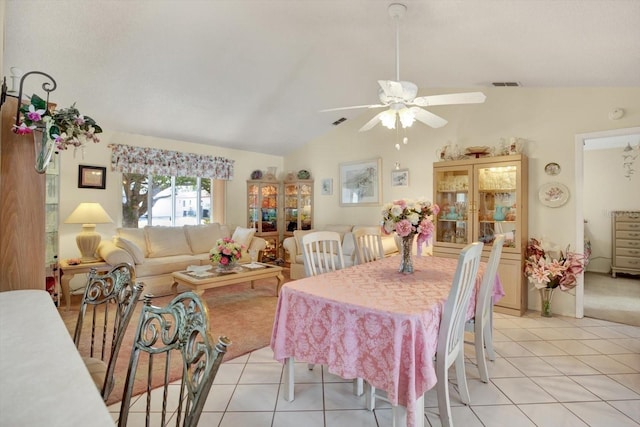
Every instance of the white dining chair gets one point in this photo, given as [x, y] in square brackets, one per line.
[368, 244]
[482, 322]
[450, 347]
[322, 252]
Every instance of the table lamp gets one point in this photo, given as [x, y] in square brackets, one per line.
[88, 214]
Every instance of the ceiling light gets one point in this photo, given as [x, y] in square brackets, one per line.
[388, 119]
[407, 117]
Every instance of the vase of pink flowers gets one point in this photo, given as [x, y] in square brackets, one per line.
[408, 219]
[225, 254]
[549, 269]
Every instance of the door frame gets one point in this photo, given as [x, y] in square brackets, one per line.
[579, 213]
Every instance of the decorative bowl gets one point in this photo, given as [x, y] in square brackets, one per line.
[256, 174]
[304, 174]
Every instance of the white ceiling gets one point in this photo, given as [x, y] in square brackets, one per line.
[253, 75]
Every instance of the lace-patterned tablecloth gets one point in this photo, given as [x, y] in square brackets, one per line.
[370, 321]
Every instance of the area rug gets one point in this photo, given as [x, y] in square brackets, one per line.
[243, 314]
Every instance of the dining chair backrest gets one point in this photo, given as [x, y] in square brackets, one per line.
[181, 328]
[107, 305]
[322, 252]
[484, 302]
[368, 244]
[482, 322]
[450, 347]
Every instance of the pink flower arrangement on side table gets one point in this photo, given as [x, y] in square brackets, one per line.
[408, 217]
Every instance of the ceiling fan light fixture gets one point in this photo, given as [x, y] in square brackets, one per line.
[388, 119]
[407, 117]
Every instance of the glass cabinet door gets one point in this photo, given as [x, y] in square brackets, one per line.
[497, 203]
[254, 207]
[305, 190]
[452, 189]
[298, 201]
[269, 208]
[291, 206]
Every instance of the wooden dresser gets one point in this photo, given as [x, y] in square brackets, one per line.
[625, 242]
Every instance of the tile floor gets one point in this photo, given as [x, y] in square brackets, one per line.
[555, 371]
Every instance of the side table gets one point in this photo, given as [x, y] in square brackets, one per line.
[67, 272]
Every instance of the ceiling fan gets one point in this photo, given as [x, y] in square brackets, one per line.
[400, 96]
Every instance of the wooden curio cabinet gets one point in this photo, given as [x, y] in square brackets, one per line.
[264, 211]
[478, 199]
[298, 205]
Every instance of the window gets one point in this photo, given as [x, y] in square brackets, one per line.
[170, 200]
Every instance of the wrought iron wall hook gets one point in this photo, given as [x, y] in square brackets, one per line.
[48, 87]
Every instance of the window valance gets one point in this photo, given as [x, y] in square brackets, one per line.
[145, 160]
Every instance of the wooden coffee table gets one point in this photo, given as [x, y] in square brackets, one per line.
[214, 279]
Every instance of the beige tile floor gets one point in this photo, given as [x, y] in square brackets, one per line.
[557, 371]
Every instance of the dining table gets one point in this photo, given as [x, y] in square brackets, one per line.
[372, 322]
[43, 380]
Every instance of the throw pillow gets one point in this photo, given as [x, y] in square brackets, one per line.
[202, 237]
[132, 248]
[243, 236]
[297, 234]
[135, 235]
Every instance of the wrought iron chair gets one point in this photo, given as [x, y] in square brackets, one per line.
[368, 244]
[322, 252]
[181, 328]
[450, 347]
[106, 309]
[482, 323]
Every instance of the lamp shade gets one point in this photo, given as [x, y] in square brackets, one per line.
[88, 214]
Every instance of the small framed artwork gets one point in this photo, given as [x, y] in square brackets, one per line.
[92, 177]
[361, 183]
[327, 187]
[400, 178]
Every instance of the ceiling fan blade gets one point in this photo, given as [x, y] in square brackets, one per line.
[428, 118]
[391, 89]
[353, 107]
[371, 123]
[452, 98]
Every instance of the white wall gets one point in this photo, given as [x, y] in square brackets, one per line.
[548, 119]
[110, 198]
[603, 173]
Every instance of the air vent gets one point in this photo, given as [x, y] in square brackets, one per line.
[340, 120]
[501, 84]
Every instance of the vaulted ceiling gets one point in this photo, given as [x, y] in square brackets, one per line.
[253, 74]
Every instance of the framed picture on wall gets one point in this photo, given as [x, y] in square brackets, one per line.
[327, 187]
[92, 177]
[400, 178]
[361, 183]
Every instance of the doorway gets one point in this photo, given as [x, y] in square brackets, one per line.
[598, 294]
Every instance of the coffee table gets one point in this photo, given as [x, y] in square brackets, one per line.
[213, 279]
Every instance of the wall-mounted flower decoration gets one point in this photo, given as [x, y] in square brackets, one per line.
[629, 155]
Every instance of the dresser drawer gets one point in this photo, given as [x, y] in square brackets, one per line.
[627, 262]
[627, 226]
[626, 243]
[631, 235]
[628, 252]
[631, 216]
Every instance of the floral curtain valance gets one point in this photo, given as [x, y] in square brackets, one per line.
[145, 160]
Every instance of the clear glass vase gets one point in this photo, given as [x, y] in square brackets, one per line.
[545, 301]
[406, 256]
[44, 148]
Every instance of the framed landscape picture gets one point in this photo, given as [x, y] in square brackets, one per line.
[361, 183]
[400, 178]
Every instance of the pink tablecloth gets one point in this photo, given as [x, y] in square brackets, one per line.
[371, 322]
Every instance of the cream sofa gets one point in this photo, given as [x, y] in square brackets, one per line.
[157, 251]
[293, 247]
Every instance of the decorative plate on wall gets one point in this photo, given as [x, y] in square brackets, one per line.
[552, 169]
[256, 174]
[304, 174]
[553, 194]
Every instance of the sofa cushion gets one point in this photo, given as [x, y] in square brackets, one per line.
[136, 236]
[133, 249]
[165, 265]
[341, 229]
[166, 241]
[243, 236]
[203, 237]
